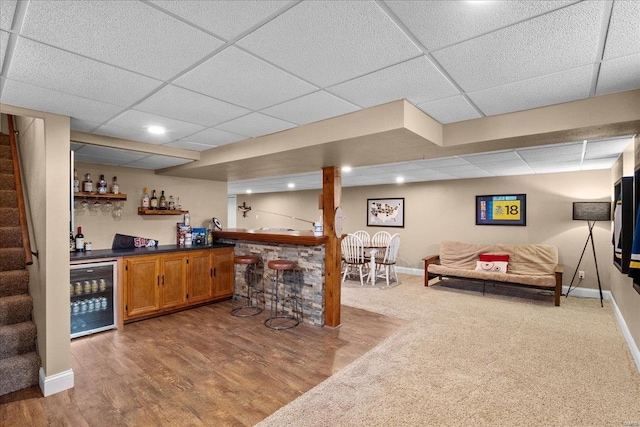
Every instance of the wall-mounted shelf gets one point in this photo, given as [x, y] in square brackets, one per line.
[147, 211]
[108, 196]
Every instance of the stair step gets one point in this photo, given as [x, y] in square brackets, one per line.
[10, 237]
[15, 309]
[9, 217]
[7, 181]
[12, 259]
[5, 152]
[4, 139]
[6, 165]
[17, 339]
[8, 199]
[14, 282]
[19, 372]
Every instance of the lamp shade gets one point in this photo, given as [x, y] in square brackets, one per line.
[592, 211]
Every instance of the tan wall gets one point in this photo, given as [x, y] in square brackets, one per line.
[203, 199]
[44, 150]
[445, 210]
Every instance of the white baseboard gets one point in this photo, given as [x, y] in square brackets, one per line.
[633, 347]
[587, 293]
[411, 271]
[56, 383]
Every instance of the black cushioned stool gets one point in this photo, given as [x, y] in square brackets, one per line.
[252, 280]
[281, 319]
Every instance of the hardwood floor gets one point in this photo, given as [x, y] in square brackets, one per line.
[197, 367]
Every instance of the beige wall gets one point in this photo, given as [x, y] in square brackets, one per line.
[445, 210]
[203, 199]
[44, 152]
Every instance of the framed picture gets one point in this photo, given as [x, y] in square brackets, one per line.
[503, 209]
[385, 212]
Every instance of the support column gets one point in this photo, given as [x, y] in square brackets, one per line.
[331, 196]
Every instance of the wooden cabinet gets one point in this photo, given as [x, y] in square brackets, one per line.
[155, 284]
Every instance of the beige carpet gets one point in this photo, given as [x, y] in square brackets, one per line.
[465, 359]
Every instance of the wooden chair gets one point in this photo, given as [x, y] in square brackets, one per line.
[385, 263]
[381, 239]
[353, 256]
[364, 236]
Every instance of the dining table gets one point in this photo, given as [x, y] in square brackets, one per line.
[372, 250]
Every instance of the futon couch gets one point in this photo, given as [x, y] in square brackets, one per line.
[529, 265]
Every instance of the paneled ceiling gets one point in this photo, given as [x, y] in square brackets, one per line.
[218, 72]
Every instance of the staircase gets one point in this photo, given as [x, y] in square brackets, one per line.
[19, 362]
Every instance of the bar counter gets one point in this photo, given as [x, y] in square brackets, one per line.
[300, 246]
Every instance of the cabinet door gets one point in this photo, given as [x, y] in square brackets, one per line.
[141, 286]
[173, 280]
[200, 276]
[223, 280]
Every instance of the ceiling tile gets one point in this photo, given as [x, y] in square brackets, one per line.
[134, 135]
[99, 160]
[550, 89]
[573, 148]
[128, 34]
[188, 106]
[441, 23]
[501, 157]
[156, 162]
[623, 37]
[557, 167]
[442, 162]
[255, 124]
[331, 42]
[311, 108]
[619, 74]
[44, 66]
[110, 154]
[226, 19]
[139, 121]
[523, 51]
[235, 76]
[595, 164]
[189, 145]
[417, 80]
[7, 10]
[82, 125]
[4, 41]
[550, 159]
[37, 98]
[214, 137]
[449, 110]
[607, 147]
[75, 146]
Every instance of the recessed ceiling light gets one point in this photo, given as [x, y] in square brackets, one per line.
[346, 169]
[291, 185]
[248, 191]
[156, 130]
[399, 179]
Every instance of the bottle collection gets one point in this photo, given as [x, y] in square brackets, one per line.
[159, 203]
[100, 187]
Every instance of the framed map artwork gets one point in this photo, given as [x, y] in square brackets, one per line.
[385, 212]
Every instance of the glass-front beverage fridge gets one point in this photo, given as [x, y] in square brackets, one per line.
[93, 288]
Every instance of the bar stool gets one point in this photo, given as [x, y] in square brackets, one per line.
[252, 280]
[281, 319]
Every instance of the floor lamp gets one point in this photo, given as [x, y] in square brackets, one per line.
[590, 212]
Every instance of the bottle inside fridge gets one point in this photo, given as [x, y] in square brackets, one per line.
[92, 289]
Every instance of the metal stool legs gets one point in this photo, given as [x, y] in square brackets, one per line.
[252, 280]
[279, 319]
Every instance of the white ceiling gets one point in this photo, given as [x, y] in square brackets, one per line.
[219, 72]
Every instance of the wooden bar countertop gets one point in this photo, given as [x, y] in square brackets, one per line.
[305, 238]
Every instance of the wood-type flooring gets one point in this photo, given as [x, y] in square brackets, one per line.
[197, 367]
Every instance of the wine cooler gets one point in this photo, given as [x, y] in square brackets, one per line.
[93, 288]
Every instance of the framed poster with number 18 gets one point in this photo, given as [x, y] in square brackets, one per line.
[505, 209]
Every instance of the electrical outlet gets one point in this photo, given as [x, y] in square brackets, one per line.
[580, 274]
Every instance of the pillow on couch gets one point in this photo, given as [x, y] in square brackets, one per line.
[493, 262]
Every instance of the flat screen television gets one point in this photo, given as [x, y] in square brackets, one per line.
[501, 209]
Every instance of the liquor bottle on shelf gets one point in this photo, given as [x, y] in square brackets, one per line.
[102, 185]
[76, 181]
[145, 198]
[172, 203]
[163, 202]
[153, 203]
[79, 240]
[72, 242]
[115, 187]
[87, 184]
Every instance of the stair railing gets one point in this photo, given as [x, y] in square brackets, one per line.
[26, 244]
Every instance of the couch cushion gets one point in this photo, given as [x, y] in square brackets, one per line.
[462, 255]
[546, 281]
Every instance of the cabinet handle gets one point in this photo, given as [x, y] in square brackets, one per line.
[214, 272]
[211, 271]
[158, 280]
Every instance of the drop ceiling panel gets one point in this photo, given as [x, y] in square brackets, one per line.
[623, 37]
[442, 162]
[331, 42]
[557, 167]
[134, 135]
[188, 145]
[555, 88]
[129, 34]
[607, 148]
[522, 51]
[7, 10]
[156, 162]
[107, 153]
[449, 110]
[37, 98]
[255, 124]
[188, 106]
[4, 40]
[550, 151]
[139, 121]
[619, 74]
[82, 125]
[441, 23]
[237, 77]
[503, 157]
[417, 80]
[44, 66]
[226, 19]
[311, 108]
[595, 164]
[471, 173]
[214, 137]
[85, 158]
